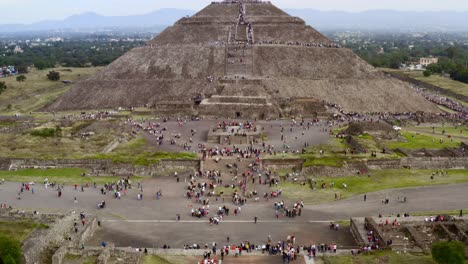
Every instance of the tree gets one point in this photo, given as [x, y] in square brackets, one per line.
[10, 250]
[452, 52]
[53, 76]
[427, 73]
[452, 252]
[20, 78]
[3, 87]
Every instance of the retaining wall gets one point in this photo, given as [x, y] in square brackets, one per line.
[278, 164]
[103, 167]
[420, 163]
[371, 225]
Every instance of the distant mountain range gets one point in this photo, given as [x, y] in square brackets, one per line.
[91, 21]
[322, 20]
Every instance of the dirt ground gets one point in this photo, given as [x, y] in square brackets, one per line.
[295, 140]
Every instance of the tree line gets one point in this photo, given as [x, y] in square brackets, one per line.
[78, 53]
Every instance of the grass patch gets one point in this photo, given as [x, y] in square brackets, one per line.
[37, 91]
[449, 212]
[381, 257]
[138, 152]
[446, 109]
[65, 176]
[334, 152]
[80, 259]
[324, 161]
[437, 80]
[226, 192]
[359, 185]
[416, 140]
[440, 81]
[18, 230]
[344, 223]
[46, 132]
[7, 123]
[43, 144]
[458, 131]
[152, 259]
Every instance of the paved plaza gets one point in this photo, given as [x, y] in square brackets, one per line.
[153, 223]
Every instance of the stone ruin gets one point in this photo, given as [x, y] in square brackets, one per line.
[234, 135]
[411, 234]
[242, 59]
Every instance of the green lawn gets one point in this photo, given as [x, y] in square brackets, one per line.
[18, 230]
[415, 140]
[450, 212]
[152, 259]
[65, 176]
[37, 90]
[138, 152]
[382, 257]
[69, 146]
[459, 131]
[358, 185]
[334, 152]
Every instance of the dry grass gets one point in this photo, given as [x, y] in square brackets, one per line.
[37, 91]
[18, 230]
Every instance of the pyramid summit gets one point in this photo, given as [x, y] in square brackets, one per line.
[242, 59]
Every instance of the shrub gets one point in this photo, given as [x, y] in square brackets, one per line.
[452, 252]
[10, 250]
[47, 132]
[20, 78]
[427, 73]
[53, 76]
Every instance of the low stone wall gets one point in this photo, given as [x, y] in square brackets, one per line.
[358, 237]
[328, 171]
[54, 236]
[351, 169]
[278, 164]
[418, 239]
[420, 163]
[165, 166]
[63, 251]
[88, 232]
[15, 215]
[103, 167]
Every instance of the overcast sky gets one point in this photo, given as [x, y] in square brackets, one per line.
[29, 11]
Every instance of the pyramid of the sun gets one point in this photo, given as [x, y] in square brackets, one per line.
[242, 59]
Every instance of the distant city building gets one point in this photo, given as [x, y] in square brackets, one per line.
[429, 60]
[18, 50]
[54, 39]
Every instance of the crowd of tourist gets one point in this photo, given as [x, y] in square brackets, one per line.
[297, 43]
[240, 1]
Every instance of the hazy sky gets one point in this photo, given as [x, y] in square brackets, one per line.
[28, 11]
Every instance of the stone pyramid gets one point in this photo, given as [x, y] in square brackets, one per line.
[242, 59]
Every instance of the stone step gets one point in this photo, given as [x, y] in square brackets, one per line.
[239, 99]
